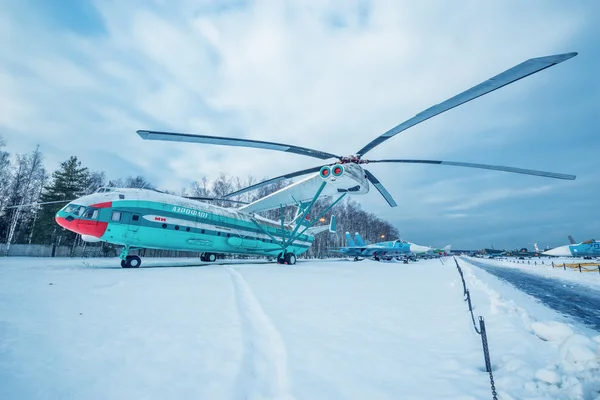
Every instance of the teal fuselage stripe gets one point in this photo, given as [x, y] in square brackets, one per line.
[238, 234]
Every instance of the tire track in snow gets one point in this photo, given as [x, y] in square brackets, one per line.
[263, 371]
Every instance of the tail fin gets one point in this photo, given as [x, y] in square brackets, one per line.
[447, 248]
[332, 224]
[537, 249]
[349, 241]
[359, 239]
[571, 240]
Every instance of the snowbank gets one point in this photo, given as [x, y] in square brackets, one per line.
[547, 357]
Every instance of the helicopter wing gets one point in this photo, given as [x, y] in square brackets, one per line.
[272, 180]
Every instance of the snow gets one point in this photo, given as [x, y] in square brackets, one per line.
[551, 331]
[86, 328]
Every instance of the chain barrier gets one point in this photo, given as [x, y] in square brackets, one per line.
[481, 331]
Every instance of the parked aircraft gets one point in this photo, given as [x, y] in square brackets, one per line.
[444, 251]
[138, 218]
[385, 250]
[589, 248]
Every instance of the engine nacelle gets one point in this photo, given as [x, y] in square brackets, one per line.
[337, 170]
[90, 238]
[325, 172]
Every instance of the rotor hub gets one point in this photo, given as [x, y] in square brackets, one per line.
[353, 159]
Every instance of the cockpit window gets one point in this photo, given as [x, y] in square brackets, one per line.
[70, 208]
[91, 213]
[104, 190]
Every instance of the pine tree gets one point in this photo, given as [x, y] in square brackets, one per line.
[69, 182]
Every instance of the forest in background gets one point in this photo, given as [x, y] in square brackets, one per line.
[26, 180]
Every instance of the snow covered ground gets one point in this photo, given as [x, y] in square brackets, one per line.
[88, 329]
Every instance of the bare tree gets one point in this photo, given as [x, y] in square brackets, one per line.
[25, 188]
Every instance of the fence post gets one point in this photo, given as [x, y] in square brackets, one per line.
[564, 267]
[579, 267]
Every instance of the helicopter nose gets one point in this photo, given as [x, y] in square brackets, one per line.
[68, 222]
[562, 251]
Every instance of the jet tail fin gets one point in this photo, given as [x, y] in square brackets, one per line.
[571, 240]
[349, 241]
[359, 240]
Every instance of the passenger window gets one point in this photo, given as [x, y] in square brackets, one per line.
[135, 217]
[116, 216]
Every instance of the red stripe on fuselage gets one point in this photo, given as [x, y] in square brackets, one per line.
[83, 227]
[106, 204]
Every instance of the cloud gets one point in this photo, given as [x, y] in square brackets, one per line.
[329, 75]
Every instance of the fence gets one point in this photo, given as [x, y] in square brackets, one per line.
[481, 331]
[94, 250]
[582, 267]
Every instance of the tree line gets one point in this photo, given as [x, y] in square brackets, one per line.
[25, 180]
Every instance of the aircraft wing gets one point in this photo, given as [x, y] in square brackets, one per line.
[299, 192]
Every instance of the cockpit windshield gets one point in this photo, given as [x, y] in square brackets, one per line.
[70, 208]
[104, 190]
[75, 210]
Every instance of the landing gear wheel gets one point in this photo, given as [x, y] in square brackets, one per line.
[289, 258]
[280, 258]
[212, 257]
[203, 257]
[131, 262]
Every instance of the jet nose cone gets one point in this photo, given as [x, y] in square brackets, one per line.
[562, 251]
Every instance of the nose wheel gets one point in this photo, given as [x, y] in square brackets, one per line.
[131, 262]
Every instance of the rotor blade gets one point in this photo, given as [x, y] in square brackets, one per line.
[216, 199]
[484, 166]
[511, 75]
[228, 141]
[38, 204]
[386, 195]
[273, 180]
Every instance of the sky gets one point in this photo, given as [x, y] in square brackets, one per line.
[80, 77]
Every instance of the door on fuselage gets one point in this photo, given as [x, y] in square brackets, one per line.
[133, 222]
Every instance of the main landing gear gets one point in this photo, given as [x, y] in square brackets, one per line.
[210, 257]
[288, 258]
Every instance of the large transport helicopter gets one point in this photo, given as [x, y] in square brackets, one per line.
[139, 218]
